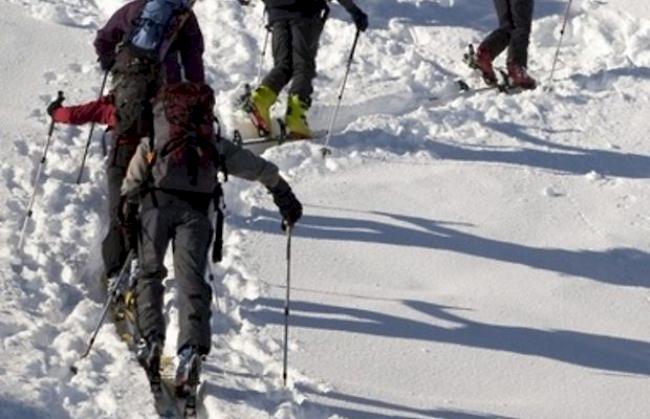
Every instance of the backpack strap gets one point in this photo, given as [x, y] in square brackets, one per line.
[150, 158]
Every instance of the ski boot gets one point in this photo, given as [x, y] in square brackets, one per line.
[187, 377]
[148, 353]
[519, 77]
[296, 119]
[258, 106]
[483, 61]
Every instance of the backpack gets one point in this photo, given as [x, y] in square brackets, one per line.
[184, 156]
[150, 28]
[136, 72]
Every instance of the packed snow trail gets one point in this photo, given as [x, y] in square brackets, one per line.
[480, 258]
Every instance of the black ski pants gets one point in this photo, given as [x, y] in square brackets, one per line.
[115, 245]
[515, 20]
[171, 219]
[295, 45]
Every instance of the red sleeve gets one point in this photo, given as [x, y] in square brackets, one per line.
[101, 111]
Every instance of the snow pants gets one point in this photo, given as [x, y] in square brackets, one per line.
[515, 20]
[164, 218]
[115, 245]
[295, 45]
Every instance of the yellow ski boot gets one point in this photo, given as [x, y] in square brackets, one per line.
[259, 107]
[296, 119]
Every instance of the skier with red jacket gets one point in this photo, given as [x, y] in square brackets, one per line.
[102, 111]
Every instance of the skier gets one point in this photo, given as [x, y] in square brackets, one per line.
[137, 74]
[170, 184]
[181, 40]
[515, 18]
[116, 244]
[296, 26]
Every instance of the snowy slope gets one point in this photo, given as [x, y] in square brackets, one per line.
[473, 258]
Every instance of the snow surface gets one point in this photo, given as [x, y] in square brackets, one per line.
[470, 258]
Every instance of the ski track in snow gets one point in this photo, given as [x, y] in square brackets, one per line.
[565, 143]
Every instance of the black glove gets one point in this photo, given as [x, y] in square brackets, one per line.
[360, 19]
[289, 206]
[55, 105]
[244, 2]
[106, 62]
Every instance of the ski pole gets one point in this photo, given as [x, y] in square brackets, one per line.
[267, 29]
[112, 294]
[325, 151]
[559, 44]
[286, 307]
[90, 134]
[39, 171]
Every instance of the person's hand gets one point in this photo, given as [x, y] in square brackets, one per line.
[56, 104]
[289, 206]
[106, 62]
[360, 18]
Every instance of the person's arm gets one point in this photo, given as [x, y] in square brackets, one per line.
[137, 173]
[244, 164]
[100, 111]
[358, 16]
[190, 45]
[112, 34]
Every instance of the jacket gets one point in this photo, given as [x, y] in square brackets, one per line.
[188, 44]
[239, 162]
[101, 111]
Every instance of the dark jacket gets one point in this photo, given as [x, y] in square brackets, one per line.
[188, 43]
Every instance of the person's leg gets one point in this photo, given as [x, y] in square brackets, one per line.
[281, 73]
[155, 236]
[192, 240]
[114, 245]
[522, 17]
[499, 39]
[305, 34]
[266, 93]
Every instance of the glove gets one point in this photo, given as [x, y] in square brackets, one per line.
[360, 19]
[106, 62]
[55, 105]
[244, 2]
[289, 206]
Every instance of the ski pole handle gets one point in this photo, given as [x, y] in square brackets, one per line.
[59, 99]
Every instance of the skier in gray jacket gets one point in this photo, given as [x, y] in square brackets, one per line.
[170, 184]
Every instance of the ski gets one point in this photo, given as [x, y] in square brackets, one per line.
[260, 144]
[462, 89]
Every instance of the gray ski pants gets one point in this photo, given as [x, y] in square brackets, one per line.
[515, 20]
[295, 45]
[174, 219]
